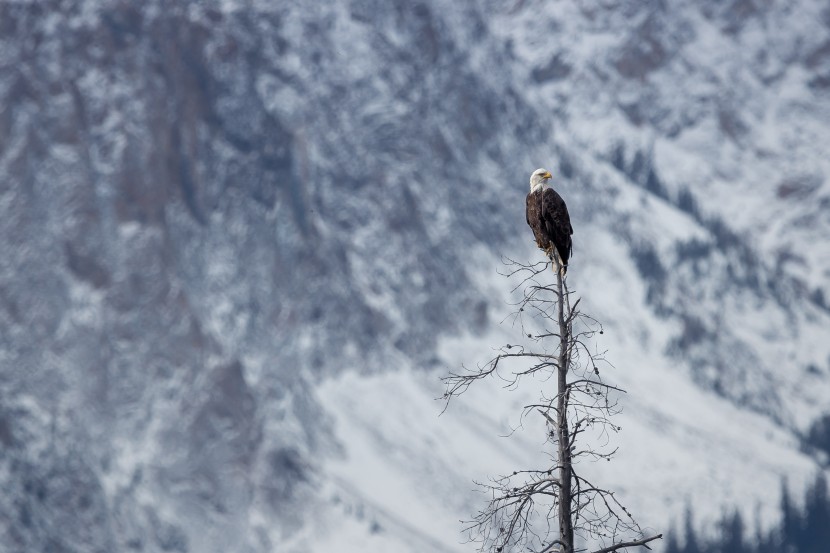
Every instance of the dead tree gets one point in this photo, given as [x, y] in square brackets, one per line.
[546, 509]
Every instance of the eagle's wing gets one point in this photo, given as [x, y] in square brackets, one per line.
[557, 222]
[533, 215]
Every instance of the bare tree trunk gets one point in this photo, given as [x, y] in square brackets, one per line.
[510, 522]
[566, 531]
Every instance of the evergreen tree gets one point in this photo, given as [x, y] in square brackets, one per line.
[732, 529]
[672, 545]
[766, 542]
[691, 540]
[816, 530]
[790, 522]
[798, 531]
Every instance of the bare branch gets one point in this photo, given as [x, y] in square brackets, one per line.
[625, 544]
[548, 417]
[596, 383]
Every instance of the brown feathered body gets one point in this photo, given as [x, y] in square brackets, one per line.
[548, 217]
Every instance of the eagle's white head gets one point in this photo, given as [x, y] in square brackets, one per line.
[539, 179]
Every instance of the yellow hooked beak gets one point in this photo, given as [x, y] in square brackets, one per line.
[547, 175]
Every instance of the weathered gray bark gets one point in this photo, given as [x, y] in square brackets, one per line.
[566, 531]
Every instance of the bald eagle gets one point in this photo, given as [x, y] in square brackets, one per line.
[548, 217]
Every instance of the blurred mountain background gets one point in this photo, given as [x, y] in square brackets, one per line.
[242, 240]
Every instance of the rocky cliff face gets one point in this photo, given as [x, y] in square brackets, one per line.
[208, 209]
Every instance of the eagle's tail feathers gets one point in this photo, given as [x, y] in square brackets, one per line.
[556, 261]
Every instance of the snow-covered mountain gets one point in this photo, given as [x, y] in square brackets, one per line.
[241, 241]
